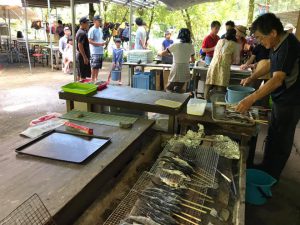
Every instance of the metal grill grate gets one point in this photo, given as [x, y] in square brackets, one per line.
[125, 207]
[205, 161]
[204, 158]
[30, 212]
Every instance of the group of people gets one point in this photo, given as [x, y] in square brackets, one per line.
[89, 49]
[280, 52]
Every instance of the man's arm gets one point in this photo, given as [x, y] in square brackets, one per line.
[270, 86]
[249, 61]
[60, 45]
[92, 42]
[206, 50]
[82, 52]
[257, 73]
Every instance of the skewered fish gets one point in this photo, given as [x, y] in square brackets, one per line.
[138, 220]
[179, 164]
[167, 204]
[177, 173]
[155, 214]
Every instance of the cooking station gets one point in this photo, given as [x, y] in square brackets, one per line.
[128, 178]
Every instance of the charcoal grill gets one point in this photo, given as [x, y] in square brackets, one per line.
[206, 161]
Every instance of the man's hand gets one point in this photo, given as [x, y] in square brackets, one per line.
[244, 66]
[86, 60]
[245, 104]
[246, 81]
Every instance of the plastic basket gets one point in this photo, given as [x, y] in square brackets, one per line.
[144, 80]
[79, 88]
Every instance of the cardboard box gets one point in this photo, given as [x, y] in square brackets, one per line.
[166, 74]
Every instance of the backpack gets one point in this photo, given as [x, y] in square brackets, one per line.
[125, 34]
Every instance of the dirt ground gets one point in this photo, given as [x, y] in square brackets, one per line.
[26, 96]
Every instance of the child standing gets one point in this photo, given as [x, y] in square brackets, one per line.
[117, 59]
[68, 56]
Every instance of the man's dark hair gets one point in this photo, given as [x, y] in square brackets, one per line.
[266, 23]
[230, 35]
[184, 35]
[230, 23]
[139, 21]
[59, 21]
[215, 24]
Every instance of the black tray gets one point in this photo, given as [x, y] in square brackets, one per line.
[64, 146]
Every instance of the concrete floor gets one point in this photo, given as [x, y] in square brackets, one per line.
[25, 96]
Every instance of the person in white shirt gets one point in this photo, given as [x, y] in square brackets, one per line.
[141, 35]
[182, 53]
[63, 41]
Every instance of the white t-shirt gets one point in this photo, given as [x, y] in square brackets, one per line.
[182, 52]
[140, 35]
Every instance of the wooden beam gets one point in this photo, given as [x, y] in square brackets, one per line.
[298, 27]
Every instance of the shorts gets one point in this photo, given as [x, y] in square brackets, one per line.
[96, 61]
[83, 70]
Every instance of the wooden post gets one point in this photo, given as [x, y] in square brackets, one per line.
[298, 27]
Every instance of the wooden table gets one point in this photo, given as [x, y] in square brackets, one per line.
[56, 55]
[236, 75]
[67, 189]
[131, 98]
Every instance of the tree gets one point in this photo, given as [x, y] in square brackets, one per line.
[187, 19]
[250, 12]
[92, 11]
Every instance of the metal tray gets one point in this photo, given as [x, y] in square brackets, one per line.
[218, 115]
[64, 146]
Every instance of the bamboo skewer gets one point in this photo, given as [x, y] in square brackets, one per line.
[200, 193]
[192, 217]
[196, 204]
[185, 219]
[191, 207]
[201, 179]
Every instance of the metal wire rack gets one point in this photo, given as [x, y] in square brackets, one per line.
[31, 212]
[205, 162]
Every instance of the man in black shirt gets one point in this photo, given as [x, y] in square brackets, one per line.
[284, 87]
[83, 50]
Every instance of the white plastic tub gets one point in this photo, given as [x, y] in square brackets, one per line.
[196, 107]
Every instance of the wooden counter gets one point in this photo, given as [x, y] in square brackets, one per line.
[66, 188]
[131, 98]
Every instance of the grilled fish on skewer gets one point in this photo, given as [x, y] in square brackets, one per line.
[138, 219]
[165, 208]
[156, 215]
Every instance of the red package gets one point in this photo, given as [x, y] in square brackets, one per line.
[80, 128]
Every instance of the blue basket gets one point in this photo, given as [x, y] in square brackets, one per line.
[115, 75]
[258, 188]
[144, 80]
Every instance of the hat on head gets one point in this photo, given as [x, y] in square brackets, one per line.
[241, 30]
[97, 18]
[167, 32]
[66, 28]
[289, 26]
[83, 20]
[118, 40]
